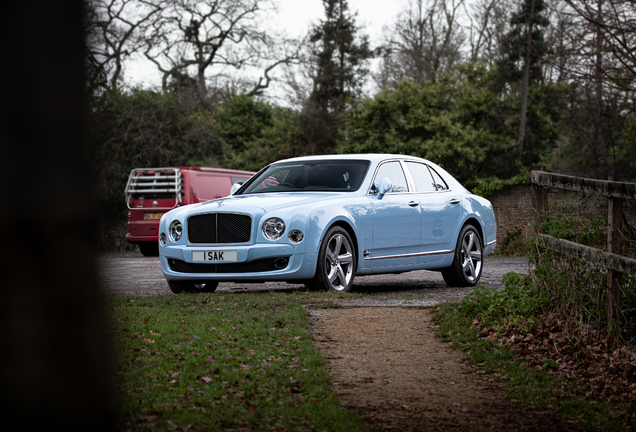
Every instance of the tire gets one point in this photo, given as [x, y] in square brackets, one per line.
[179, 287]
[149, 249]
[468, 262]
[310, 285]
[336, 266]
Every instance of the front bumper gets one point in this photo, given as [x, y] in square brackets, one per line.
[254, 263]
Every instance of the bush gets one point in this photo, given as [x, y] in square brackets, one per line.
[515, 306]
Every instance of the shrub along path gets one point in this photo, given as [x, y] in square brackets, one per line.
[388, 366]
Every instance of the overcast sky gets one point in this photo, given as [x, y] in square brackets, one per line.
[296, 17]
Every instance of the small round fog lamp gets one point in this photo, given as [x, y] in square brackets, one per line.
[296, 236]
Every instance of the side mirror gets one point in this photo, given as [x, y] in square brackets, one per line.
[235, 187]
[384, 186]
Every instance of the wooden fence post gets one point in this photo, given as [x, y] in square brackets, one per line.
[614, 245]
[539, 205]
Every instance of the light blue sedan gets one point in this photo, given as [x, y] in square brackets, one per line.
[322, 220]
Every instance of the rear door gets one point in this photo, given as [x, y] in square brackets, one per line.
[440, 209]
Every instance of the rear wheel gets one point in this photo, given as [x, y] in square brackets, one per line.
[336, 262]
[179, 287]
[468, 261]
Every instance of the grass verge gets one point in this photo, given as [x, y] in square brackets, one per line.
[538, 388]
[222, 362]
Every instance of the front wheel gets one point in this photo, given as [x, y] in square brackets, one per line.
[336, 262]
[179, 287]
[468, 261]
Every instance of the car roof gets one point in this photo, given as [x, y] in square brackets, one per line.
[376, 158]
[373, 157]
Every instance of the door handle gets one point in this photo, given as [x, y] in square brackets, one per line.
[454, 201]
[413, 204]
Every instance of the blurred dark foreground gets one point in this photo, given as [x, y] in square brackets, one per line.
[55, 360]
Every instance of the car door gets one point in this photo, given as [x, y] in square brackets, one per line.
[440, 212]
[396, 220]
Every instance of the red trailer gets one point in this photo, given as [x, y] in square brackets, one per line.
[151, 192]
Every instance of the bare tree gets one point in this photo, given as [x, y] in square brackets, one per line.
[425, 42]
[564, 28]
[114, 27]
[530, 22]
[615, 38]
[205, 38]
[599, 41]
[487, 23]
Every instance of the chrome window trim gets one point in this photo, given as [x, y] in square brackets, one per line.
[409, 179]
[375, 174]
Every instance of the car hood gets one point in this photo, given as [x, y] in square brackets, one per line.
[266, 202]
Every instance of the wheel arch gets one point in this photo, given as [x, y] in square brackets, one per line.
[321, 280]
[475, 224]
[347, 227]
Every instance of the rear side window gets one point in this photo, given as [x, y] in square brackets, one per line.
[440, 184]
[422, 178]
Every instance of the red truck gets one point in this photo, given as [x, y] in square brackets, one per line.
[151, 192]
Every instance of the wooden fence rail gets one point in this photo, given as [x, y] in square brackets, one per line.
[617, 193]
[612, 261]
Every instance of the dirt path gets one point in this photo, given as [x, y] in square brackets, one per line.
[388, 366]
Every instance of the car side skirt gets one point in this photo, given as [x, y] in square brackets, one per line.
[417, 254]
[490, 247]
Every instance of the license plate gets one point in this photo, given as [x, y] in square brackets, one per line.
[214, 256]
[152, 216]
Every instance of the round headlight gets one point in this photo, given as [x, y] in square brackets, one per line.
[175, 231]
[273, 228]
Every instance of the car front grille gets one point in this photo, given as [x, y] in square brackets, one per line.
[219, 228]
[268, 264]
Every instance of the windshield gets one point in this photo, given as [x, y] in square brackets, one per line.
[326, 176]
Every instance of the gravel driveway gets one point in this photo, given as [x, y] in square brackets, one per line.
[134, 275]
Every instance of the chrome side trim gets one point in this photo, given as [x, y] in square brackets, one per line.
[491, 243]
[441, 252]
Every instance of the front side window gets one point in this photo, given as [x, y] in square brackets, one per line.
[324, 176]
[392, 170]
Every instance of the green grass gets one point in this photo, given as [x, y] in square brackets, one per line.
[222, 362]
[247, 362]
[530, 385]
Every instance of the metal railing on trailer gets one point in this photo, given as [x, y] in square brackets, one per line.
[151, 182]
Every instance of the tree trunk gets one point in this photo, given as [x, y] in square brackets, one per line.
[599, 133]
[526, 83]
